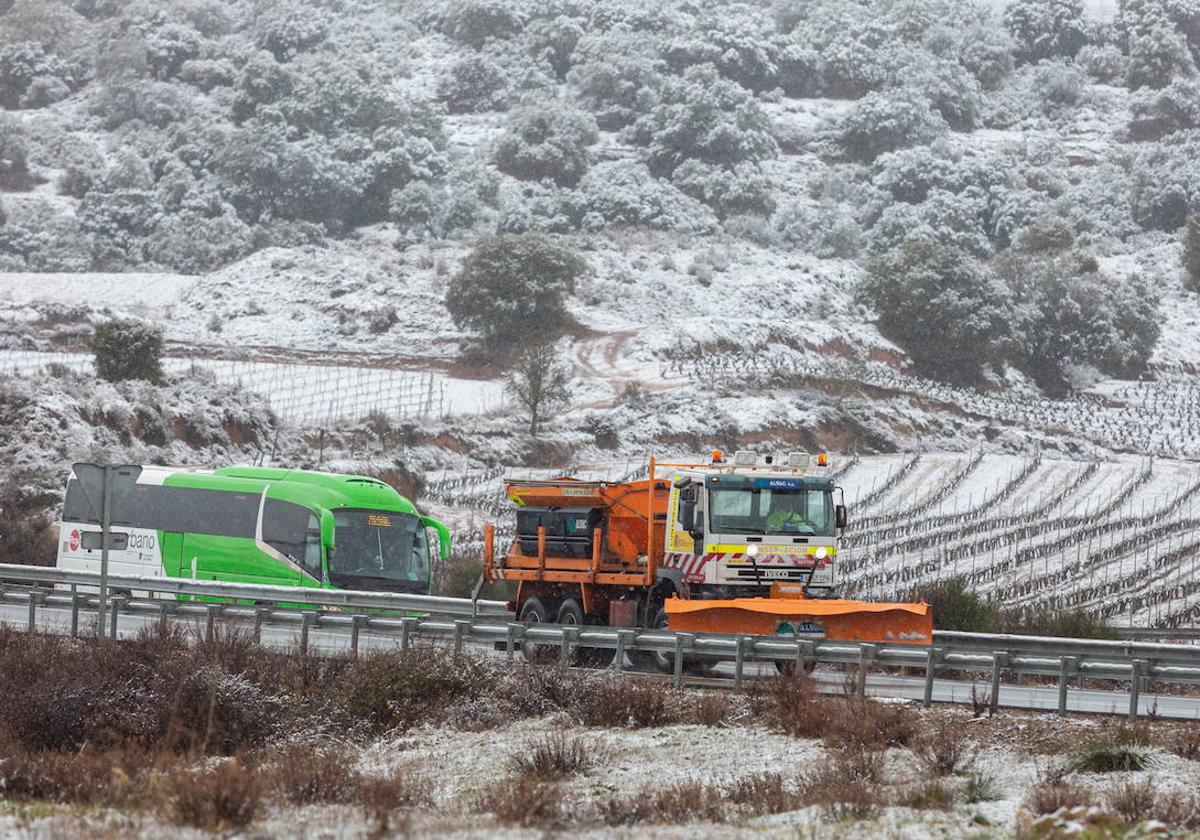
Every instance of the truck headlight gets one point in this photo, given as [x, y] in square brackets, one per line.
[821, 553]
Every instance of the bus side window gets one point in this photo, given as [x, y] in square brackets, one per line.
[418, 568]
[284, 528]
[312, 548]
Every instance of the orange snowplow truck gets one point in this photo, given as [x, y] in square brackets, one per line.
[743, 546]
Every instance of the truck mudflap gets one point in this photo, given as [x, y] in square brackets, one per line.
[835, 619]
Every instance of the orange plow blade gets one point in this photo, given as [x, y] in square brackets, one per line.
[834, 619]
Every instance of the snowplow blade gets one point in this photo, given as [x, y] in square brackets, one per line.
[833, 619]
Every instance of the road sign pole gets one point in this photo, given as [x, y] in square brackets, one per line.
[105, 527]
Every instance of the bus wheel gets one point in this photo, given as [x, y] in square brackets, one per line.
[534, 612]
[570, 614]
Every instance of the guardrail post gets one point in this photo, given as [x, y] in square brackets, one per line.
[461, 626]
[739, 664]
[356, 624]
[1138, 669]
[115, 605]
[931, 657]
[32, 610]
[74, 612]
[406, 628]
[162, 618]
[682, 640]
[999, 663]
[623, 639]
[210, 623]
[1066, 667]
[306, 622]
[866, 655]
[569, 642]
[806, 651]
[510, 638]
[260, 615]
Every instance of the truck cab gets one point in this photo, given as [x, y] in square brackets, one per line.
[754, 522]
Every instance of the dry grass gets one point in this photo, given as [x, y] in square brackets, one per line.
[227, 795]
[1107, 756]
[928, 795]
[1184, 741]
[790, 703]
[552, 757]
[868, 725]
[382, 797]
[1052, 794]
[627, 702]
[847, 785]
[302, 776]
[1132, 801]
[944, 748]
[526, 801]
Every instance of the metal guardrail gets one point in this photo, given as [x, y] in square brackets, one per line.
[483, 622]
[303, 595]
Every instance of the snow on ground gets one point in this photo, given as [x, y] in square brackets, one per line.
[470, 771]
[149, 294]
[316, 395]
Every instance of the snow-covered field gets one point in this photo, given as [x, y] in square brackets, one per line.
[470, 772]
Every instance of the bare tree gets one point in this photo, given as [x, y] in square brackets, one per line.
[540, 381]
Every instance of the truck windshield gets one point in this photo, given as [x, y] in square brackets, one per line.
[377, 549]
[744, 510]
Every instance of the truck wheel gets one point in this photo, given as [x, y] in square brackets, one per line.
[661, 661]
[534, 612]
[570, 614]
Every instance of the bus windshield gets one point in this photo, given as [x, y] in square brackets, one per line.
[744, 510]
[377, 549]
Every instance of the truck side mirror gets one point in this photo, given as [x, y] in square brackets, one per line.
[687, 514]
[839, 516]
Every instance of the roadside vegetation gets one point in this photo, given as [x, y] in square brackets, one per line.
[226, 734]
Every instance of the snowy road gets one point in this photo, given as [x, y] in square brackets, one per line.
[337, 640]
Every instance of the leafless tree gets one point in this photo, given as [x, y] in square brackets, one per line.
[539, 381]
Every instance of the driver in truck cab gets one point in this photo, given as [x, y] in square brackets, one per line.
[784, 515]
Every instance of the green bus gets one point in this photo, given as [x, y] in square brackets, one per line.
[260, 525]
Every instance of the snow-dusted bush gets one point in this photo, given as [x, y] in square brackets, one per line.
[857, 61]
[704, 118]
[1157, 113]
[194, 243]
[266, 175]
[532, 207]
[14, 150]
[32, 78]
[546, 140]
[1190, 256]
[739, 189]
[473, 22]
[288, 29]
[737, 40]
[554, 39]
[1071, 317]
[208, 74]
[1104, 63]
[624, 193]
[128, 349]
[154, 103]
[957, 220]
[617, 77]
[951, 88]
[1046, 28]
[1157, 57]
[169, 46]
[1166, 182]
[263, 81]
[512, 285]
[884, 122]
[1058, 85]
[827, 229]
[473, 84]
[987, 51]
[1098, 204]
[947, 311]
[412, 207]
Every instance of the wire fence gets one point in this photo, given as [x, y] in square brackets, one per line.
[306, 394]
